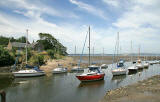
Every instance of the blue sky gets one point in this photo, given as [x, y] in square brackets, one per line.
[68, 21]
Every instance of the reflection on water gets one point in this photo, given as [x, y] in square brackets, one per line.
[93, 84]
[67, 88]
[6, 81]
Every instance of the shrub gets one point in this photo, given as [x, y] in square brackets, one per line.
[50, 53]
[37, 60]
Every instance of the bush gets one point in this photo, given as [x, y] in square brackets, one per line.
[37, 60]
[5, 57]
[50, 53]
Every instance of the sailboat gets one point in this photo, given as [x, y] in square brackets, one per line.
[146, 64]
[77, 68]
[30, 71]
[59, 69]
[103, 66]
[120, 68]
[139, 62]
[133, 68]
[94, 72]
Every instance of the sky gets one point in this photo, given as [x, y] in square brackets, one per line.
[68, 21]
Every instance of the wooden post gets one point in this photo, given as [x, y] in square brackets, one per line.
[3, 96]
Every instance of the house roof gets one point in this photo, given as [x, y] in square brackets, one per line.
[18, 44]
[23, 45]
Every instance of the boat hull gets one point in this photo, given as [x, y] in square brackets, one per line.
[59, 72]
[28, 74]
[119, 73]
[140, 66]
[91, 77]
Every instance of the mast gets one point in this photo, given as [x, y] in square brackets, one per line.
[89, 47]
[131, 52]
[117, 45]
[139, 52]
[93, 55]
[26, 44]
[75, 53]
[102, 56]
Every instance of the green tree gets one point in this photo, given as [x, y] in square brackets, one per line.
[5, 57]
[51, 53]
[49, 42]
[22, 39]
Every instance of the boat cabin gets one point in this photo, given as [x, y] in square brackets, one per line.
[94, 68]
[120, 64]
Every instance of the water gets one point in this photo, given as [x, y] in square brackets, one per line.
[66, 88]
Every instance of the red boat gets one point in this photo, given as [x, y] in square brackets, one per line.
[94, 73]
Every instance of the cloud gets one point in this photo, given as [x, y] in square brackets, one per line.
[139, 23]
[114, 3]
[89, 8]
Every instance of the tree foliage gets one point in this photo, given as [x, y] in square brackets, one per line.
[51, 43]
[5, 57]
[4, 40]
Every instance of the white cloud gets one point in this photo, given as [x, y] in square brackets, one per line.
[114, 3]
[140, 23]
[89, 8]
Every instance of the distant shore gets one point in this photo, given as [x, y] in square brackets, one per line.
[142, 91]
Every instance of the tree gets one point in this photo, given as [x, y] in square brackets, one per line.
[22, 39]
[51, 43]
[5, 57]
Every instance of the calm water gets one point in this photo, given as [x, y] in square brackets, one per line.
[66, 88]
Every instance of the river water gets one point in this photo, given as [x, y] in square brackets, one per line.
[66, 87]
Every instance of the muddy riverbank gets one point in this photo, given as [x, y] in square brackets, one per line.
[143, 91]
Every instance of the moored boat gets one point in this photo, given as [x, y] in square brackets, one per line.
[132, 69]
[104, 66]
[77, 69]
[139, 64]
[29, 72]
[146, 64]
[119, 69]
[59, 70]
[94, 73]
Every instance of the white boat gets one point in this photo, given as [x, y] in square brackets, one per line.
[139, 64]
[104, 66]
[119, 71]
[77, 68]
[146, 64]
[28, 73]
[59, 70]
[119, 68]
[156, 62]
[32, 72]
[151, 62]
[132, 68]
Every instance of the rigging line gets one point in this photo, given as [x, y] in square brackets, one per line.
[83, 49]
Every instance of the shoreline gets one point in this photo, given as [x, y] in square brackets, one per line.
[143, 91]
